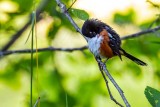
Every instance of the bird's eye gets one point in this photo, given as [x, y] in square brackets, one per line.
[94, 33]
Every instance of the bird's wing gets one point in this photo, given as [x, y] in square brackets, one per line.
[114, 41]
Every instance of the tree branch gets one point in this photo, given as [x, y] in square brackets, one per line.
[102, 65]
[141, 33]
[106, 81]
[19, 33]
[4, 53]
[65, 12]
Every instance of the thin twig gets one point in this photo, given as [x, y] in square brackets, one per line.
[155, 21]
[107, 85]
[103, 67]
[41, 50]
[65, 12]
[37, 102]
[141, 33]
[71, 5]
[156, 6]
[153, 4]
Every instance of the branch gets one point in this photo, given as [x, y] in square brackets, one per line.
[141, 33]
[37, 103]
[102, 65]
[106, 81]
[4, 53]
[65, 12]
[19, 33]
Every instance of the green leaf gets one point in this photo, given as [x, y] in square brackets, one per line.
[81, 14]
[153, 96]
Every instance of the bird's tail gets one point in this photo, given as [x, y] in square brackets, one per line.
[136, 60]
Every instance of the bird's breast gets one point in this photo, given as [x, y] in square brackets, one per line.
[99, 45]
[105, 49]
[94, 44]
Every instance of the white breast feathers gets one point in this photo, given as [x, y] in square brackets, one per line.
[94, 44]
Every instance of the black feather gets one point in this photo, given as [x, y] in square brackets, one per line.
[136, 60]
[91, 27]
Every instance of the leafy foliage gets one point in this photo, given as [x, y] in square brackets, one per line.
[81, 14]
[153, 96]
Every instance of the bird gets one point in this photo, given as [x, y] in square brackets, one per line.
[104, 42]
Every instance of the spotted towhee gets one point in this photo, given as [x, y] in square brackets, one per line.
[104, 42]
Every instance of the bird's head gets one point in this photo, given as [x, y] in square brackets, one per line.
[92, 27]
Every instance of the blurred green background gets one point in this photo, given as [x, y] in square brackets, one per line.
[73, 79]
